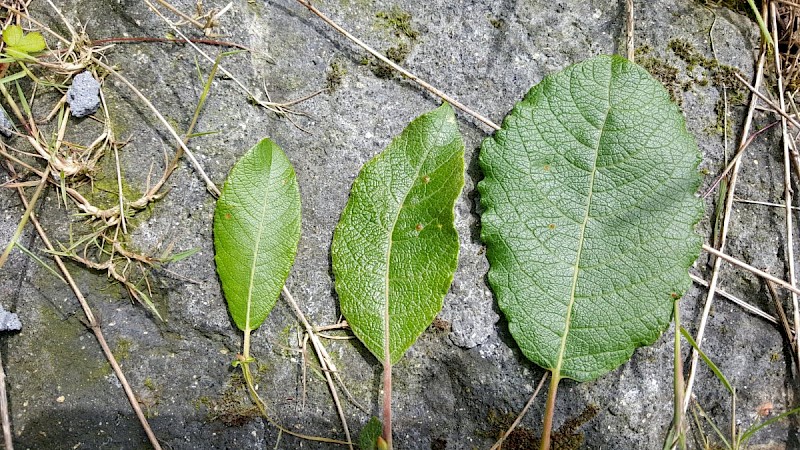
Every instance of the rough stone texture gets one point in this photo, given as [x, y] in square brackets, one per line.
[455, 384]
[83, 96]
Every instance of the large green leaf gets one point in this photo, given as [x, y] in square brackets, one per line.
[395, 248]
[589, 214]
[256, 231]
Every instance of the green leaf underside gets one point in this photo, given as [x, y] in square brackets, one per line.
[395, 248]
[589, 215]
[256, 232]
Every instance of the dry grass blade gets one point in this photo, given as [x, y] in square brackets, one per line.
[746, 306]
[712, 288]
[324, 360]
[427, 86]
[787, 181]
[630, 49]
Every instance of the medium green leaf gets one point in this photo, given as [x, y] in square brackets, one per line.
[395, 248]
[589, 214]
[22, 44]
[368, 438]
[256, 232]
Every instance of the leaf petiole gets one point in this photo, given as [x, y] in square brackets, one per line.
[549, 410]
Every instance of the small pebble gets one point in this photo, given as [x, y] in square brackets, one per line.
[83, 96]
[9, 321]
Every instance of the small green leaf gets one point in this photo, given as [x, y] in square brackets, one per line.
[19, 43]
[368, 438]
[395, 248]
[256, 232]
[589, 215]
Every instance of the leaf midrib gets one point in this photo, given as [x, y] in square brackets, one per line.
[387, 353]
[257, 248]
[576, 271]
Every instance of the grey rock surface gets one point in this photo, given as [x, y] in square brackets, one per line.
[83, 96]
[459, 384]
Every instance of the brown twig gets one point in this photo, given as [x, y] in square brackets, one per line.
[785, 327]
[7, 438]
[139, 40]
[396, 67]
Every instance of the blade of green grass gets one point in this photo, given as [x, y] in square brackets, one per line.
[708, 362]
[12, 77]
[755, 428]
[39, 260]
[763, 26]
[713, 426]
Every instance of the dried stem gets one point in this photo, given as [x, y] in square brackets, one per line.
[629, 48]
[787, 177]
[750, 268]
[787, 329]
[396, 67]
[324, 360]
[141, 40]
[712, 285]
[7, 438]
[746, 306]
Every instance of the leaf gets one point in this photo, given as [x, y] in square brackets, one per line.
[24, 44]
[395, 248]
[256, 232]
[368, 438]
[589, 214]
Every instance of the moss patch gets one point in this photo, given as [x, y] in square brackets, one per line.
[233, 406]
[718, 74]
[660, 70]
[402, 31]
[335, 75]
[123, 350]
[700, 70]
[399, 22]
[567, 437]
